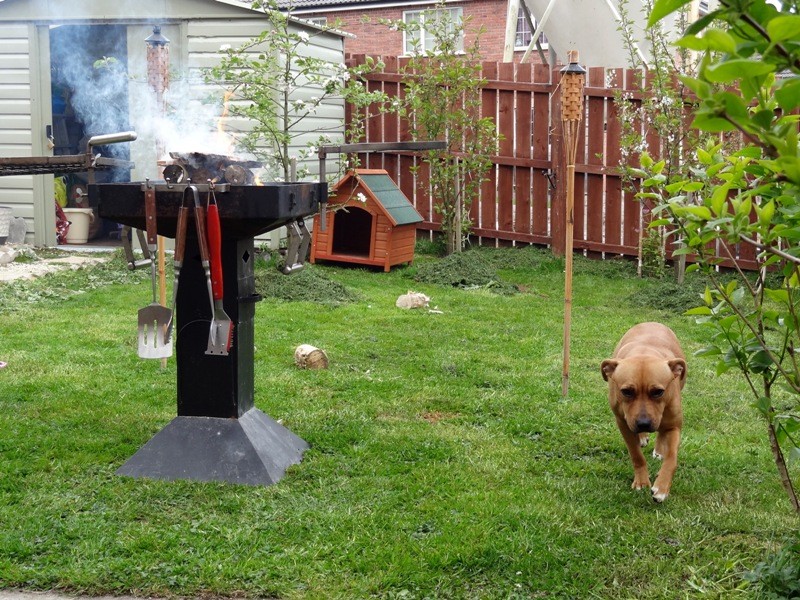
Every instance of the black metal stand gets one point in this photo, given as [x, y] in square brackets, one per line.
[218, 435]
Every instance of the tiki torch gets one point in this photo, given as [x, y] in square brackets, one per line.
[572, 79]
[158, 78]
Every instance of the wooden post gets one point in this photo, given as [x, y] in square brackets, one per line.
[572, 81]
[158, 79]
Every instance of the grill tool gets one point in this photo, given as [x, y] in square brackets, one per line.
[154, 319]
[180, 246]
[220, 337]
[202, 243]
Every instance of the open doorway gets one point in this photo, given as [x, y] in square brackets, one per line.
[352, 232]
[89, 90]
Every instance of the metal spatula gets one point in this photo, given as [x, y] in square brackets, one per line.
[154, 319]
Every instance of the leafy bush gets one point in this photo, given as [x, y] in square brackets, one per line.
[778, 577]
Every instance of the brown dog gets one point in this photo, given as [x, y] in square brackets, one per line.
[645, 378]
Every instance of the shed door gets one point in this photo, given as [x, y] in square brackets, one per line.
[24, 49]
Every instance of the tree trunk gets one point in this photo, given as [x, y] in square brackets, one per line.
[780, 462]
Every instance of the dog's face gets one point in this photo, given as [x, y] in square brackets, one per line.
[641, 389]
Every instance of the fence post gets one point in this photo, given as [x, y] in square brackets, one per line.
[558, 158]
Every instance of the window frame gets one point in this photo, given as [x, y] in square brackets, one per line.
[456, 15]
[523, 29]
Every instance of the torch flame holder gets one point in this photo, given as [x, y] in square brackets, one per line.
[218, 434]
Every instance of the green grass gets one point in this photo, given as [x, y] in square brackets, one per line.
[444, 462]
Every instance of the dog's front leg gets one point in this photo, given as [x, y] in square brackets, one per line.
[641, 478]
[667, 445]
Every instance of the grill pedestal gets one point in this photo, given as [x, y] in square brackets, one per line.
[218, 434]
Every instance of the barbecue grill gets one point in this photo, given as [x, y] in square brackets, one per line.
[218, 434]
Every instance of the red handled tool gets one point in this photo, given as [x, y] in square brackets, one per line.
[220, 337]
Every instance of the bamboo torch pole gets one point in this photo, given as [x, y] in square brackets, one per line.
[572, 80]
[158, 78]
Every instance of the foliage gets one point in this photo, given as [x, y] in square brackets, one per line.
[748, 88]
[778, 577]
[655, 121]
[280, 88]
[443, 102]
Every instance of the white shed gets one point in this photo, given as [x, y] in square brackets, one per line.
[49, 45]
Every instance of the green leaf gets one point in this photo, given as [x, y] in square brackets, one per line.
[711, 123]
[784, 28]
[699, 211]
[693, 42]
[700, 88]
[719, 40]
[708, 351]
[788, 94]
[662, 8]
[766, 213]
[702, 22]
[731, 70]
[777, 295]
[764, 406]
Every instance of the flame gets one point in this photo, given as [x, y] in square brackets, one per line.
[223, 136]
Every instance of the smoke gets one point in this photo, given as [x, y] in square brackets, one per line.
[91, 79]
[108, 92]
[187, 122]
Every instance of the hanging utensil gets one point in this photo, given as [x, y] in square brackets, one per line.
[202, 243]
[154, 319]
[180, 247]
[220, 337]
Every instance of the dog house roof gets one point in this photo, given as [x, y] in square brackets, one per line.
[377, 185]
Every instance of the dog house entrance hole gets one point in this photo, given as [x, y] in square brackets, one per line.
[352, 232]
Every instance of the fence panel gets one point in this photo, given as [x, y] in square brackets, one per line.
[520, 197]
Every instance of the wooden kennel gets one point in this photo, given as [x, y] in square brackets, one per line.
[370, 222]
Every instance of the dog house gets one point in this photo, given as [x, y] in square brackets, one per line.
[370, 222]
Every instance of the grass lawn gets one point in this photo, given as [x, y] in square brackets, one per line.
[444, 462]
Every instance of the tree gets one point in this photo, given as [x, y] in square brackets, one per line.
[748, 88]
[443, 102]
[279, 87]
[655, 122]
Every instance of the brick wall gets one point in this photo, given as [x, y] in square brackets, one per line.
[373, 38]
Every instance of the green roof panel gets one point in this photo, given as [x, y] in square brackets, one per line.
[392, 199]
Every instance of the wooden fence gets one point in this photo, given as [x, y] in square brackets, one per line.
[524, 199]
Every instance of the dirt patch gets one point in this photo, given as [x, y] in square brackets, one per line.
[30, 269]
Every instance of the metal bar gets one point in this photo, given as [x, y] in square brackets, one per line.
[111, 138]
[181, 187]
[380, 147]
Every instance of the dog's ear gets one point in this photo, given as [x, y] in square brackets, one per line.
[678, 368]
[607, 367]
